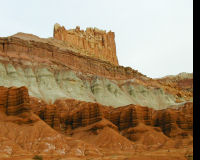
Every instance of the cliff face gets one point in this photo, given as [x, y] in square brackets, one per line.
[166, 128]
[123, 128]
[69, 114]
[58, 53]
[23, 134]
[100, 108]
[14, 101]
[175, 122]
[50, 69]
[92, 42]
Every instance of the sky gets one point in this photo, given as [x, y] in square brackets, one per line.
[154, 37]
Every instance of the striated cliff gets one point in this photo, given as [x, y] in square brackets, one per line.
[14, 101]
[51, 70]
[89, 129]
[92, 42]
[69, 114]
[23, 134]
[89, 121]
[56, 52]
[67, 97]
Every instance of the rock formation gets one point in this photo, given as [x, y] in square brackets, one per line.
[24, 133]
[92, 42]
[68, 115]
[131, 128]
[14, 101]
[175, 122]
[66, 97]
[51, 70]
[54, 52]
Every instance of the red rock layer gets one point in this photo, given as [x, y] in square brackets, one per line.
[70, 114]
[102, 126]
[24, 133]
[186, 84]
[181, 87]
[45, 51]
[175, 122]
[66, 115]
[94, 42]
[13, 100]
[130, 116]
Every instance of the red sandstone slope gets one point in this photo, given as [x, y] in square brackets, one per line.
[183, 83]
[24, 133]
[129, 129]
[103, 134]
[139, 124]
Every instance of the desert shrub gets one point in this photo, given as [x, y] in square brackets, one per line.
[37, 157]
[189, 157]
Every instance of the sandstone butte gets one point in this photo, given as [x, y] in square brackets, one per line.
[92, 42]
[66, 97]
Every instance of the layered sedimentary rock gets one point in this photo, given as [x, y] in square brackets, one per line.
[175, 122]
[127, 128]
[71, 114]
[51, 82]
[67, 115]
[77, 88]
[14, 101]
[183, 82]
[51, 70]
[22, 133]
[131, 116]
[92, 42]
[54, 52]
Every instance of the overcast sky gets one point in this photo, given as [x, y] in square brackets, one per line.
[154, 37]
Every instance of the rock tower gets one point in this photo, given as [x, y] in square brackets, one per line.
[91, 42]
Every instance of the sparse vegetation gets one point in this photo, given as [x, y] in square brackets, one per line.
[37, 157]
[189, 157]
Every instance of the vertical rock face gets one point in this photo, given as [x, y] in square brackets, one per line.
[14, 100]
[175, 122]
[68, 114]
[92, 42]
[131, 116]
